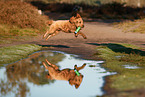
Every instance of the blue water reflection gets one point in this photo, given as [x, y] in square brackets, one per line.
[26, 78]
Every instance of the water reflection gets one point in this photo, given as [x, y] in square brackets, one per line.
[71, 75]
[27, 77]
[27, 70]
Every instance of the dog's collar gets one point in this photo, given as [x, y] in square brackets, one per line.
[78, 74]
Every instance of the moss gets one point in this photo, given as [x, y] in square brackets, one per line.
[17, 52]
[118, 55]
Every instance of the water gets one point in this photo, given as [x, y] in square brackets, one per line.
[27, 77]
[131, 67]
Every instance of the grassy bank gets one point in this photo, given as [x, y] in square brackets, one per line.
[117, 56]
[17, 52]
[136, 26]
[10, 34]
[20, 21]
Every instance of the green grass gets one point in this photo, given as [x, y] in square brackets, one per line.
[9, 31]
[17, 52]
[118, 55]
[10, 34]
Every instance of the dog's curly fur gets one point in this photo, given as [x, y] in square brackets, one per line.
[65, 74]
[68, 26]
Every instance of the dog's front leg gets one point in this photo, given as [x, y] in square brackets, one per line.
[81, 67]
[83, 35]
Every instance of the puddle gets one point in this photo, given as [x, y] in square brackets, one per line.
[131, 67]
[27, 77]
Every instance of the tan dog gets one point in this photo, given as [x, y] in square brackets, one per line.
[65, 74]
[68, 26]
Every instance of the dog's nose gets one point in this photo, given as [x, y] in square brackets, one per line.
[82, 26]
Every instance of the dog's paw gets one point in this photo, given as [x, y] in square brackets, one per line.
[76, 35]
[85, 37]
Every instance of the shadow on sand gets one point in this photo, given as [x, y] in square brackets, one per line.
[58, 46]
[119, 48]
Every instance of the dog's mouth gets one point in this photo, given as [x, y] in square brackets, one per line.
[80, 26]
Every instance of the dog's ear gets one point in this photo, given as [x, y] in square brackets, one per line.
[71, 82]
[71, 20]
[78, 16]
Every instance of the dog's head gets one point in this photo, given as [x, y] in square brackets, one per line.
[77, 80]
[77, 20]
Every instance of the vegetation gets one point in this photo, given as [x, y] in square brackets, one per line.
[17, 52]
[29, 69]
[20, 20]
[132, 26]
[112, 10]
[116, 57]
[138, 3]
[9, 33]
[21, 14]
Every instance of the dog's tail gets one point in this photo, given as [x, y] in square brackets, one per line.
[49, 22]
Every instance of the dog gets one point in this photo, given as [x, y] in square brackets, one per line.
[68, 26]
[65, 74]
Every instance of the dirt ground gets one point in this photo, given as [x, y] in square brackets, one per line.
[97, 31]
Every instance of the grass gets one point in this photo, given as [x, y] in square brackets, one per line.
[20, 21]
[118, 55]
[136, 26]
[7, 31]
[21, 14]
[17, 52]
[10, 33]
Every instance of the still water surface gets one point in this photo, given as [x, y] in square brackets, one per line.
[27, 77]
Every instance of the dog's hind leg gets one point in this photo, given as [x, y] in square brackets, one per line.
[52, 34]
[45, 65]
[52, 65]
[45, 34]
[51, 30]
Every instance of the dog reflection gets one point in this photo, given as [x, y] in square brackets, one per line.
[65, 74]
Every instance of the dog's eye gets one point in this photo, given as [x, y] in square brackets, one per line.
[80, 22]
[77, 21]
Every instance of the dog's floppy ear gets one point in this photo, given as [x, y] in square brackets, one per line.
[72, 19]
[78, 16]
[71, 82]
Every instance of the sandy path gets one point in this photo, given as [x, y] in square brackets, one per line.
[96, 32]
